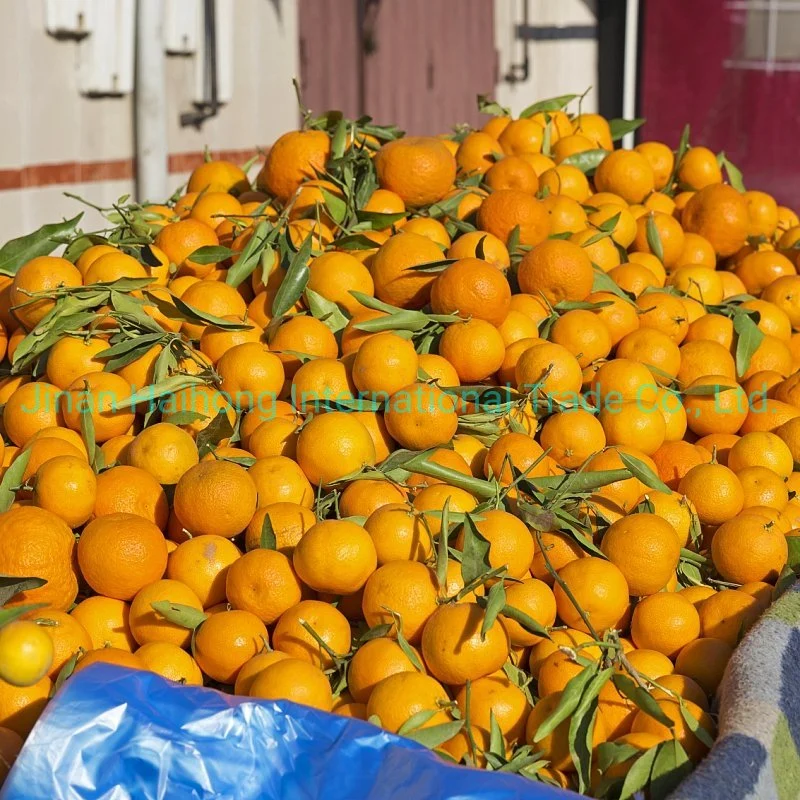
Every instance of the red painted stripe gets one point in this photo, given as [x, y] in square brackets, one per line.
[71, 172]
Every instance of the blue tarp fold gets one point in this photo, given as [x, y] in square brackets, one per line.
[113, 734]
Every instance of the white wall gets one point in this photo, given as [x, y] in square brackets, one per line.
[47, 121]
[557, 66]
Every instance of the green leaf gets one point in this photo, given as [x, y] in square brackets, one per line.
[643, 472]
[211, 254]
[16, 252]
[378, 632]
[257, 250]
[87, 433]
[748, 339]
[568, 702]
[325, 310]
[488, 106]
[794, 551]
[268, 541]
[179, 614]
[641, 698]
[377, 220]
[607, 227]
[550, 104]
[639, 774]
[586, 161]
[732, 171]
[66, 671]
[436, 735]
[356, 241]
[654, 238]
[694, 726]
[11, 586]
[12, 478]
[707, 389]
[581, 735]
[526, 621]
[683, 146]
[442, 550]
[417, 720]
[218, 429]
[294, 283]
[496, 601]
[671, 766]
[335, 206]
[170, 386]
[497, 744]
[475, 559]
[8, 615]
[519, 678]
[619, 127]
[182, 310]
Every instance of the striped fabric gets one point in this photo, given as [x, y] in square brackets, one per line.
[757, 754]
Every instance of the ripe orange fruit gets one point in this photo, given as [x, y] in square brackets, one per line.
[130, 490]
[169, 661]
[295, 156]
[475, 349]
[118, 554]
[40, 274]
[226, 641]
[722, 410]
[254, 667]
[335, 556]
[454, 649]
[67, 486]
[103, 396]
[327, 622]
[599, 587]
[761, 449]
[719, 214]
[67, 635]
[295, 680]
[289, 521]
[572, 436]
[626, 173]
[727, 615]
[218, 176]
[400, 696]
[557, 269]
[472, 288]
[35, 542]
[29, 408]
[21, 706]
[421, 416]
[512, 172]
[398, 533]
[384, 364]
[744, 550]
[406, 587]
[646, 550]
[506, 209]
[495, 695]
[148, 625]
[420, 169]
[534, 598]
[215, 497]
[715, 492]
[373, 661]
[699, 168]
[691, 743]
[392, 268]
[163, 450]
[333, 445]
[71, 357]
[106, 621]
[178, 240]
[704, 660]
[665, 622]
[202, 564]
[264, 583]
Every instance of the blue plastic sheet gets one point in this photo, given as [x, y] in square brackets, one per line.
[112, 733]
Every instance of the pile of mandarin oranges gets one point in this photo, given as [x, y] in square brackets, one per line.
[488, 439]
